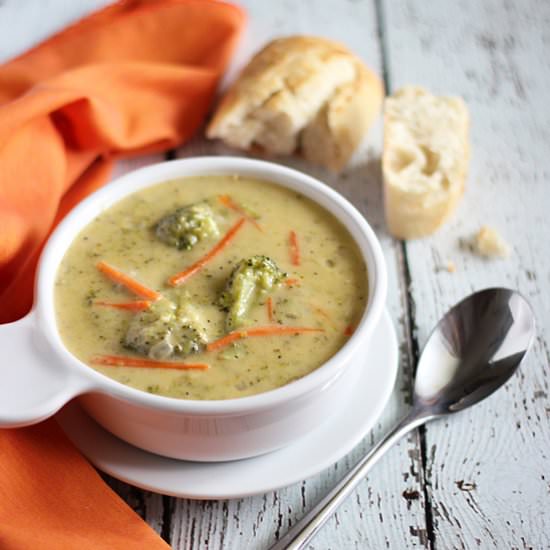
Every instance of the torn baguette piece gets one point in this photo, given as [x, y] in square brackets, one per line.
[425, 160]
[300, 94]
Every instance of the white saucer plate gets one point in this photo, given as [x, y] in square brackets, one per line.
[316, 451]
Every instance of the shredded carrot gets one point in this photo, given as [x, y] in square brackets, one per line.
[127, 281]
[273, 330]
[292, 282]
[324, 314]
[349, 330]
[138, 305]
[179, 278]
[269, 304]
[125, 361]
[294, 248]
[228, 202]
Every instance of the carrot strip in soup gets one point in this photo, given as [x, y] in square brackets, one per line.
[126, 361]
[295, 257]
[349, 330]
[179, 278]
[274, 330]
[320, 311]
[125, 280]
[269, 304]
[228, 202]
[138, 305]
[292, 282]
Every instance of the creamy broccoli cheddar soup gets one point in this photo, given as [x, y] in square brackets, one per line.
[210, 287]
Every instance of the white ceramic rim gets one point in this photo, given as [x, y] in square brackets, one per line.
[104, 198]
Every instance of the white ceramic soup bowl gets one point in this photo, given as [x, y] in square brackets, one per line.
[39, 375]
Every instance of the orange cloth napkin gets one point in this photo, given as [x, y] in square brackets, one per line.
[135, 77]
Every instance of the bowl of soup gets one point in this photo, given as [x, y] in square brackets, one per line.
[203, 309]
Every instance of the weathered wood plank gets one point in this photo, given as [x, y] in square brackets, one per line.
[387, 511]
[488, 467]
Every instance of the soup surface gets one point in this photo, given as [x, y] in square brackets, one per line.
[317, 282]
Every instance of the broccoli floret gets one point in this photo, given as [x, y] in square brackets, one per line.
[165, 330]
[251, 279]
[188, 225]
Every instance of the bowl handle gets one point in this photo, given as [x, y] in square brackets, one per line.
[34, 384]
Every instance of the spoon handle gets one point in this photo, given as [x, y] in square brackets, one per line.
[304, 530]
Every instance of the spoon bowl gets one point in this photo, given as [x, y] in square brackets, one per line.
[474, 349]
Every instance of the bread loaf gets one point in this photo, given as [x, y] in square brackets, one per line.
[303, 94]
[425, 160]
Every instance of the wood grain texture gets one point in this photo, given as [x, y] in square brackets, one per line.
[488, 468]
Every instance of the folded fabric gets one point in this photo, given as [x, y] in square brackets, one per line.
[136, 77]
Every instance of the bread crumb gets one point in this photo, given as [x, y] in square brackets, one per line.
[448, 266]
[489, 244]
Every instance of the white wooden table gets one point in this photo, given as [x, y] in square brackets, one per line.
[482, 478]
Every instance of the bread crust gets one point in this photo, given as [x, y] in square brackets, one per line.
[346, 119]
[300, 93]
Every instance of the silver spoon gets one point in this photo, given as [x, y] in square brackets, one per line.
[473, 351]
